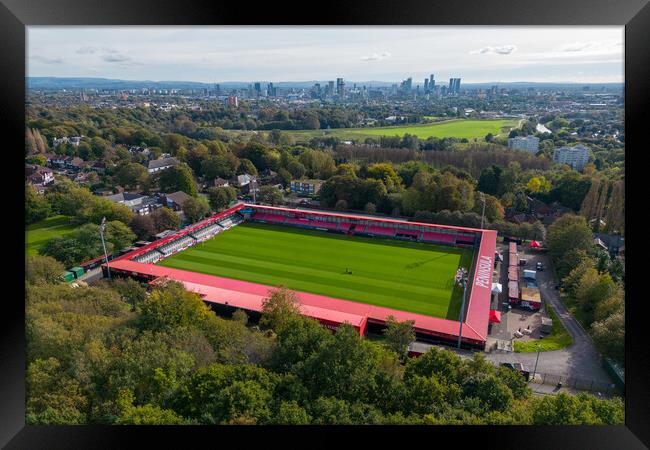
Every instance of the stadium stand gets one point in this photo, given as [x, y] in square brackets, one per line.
[230, 221]
[206, 232]
[344, 226]
[177, 245]
[272, 218]
[151, 257]
[382, 231]
[438, 237]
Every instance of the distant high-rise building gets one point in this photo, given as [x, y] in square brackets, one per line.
[271, 91]
[232, 101]
[426, 85]
[432, 83]
[529, 144]
[340, 87]
[258, 89]
[407, 85]
[330, 88]
[454, 86]
[577, 157]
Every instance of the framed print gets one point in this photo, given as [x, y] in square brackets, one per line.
[406, 216]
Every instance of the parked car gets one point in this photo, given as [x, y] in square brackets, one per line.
[519, 367]
[522, 262]
[540, 266]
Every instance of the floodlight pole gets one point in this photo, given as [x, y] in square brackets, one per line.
[462, 309]
[483, 213]
[101, 234]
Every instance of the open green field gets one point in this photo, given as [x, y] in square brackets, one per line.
[37, 234]
[457, 128]
[403, 275]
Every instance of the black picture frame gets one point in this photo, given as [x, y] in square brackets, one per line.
[15, 15]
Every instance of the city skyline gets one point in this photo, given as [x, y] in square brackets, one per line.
[277, 54]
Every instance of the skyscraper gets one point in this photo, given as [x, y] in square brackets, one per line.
[426, 85]
[340, 87]
[432, 82]
[258, 89]
[330, 88]
[454, 85]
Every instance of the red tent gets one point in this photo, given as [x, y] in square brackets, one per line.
[535, 244]
[495, 316]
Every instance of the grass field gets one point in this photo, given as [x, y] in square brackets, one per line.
[460, 128]
[37, 234]
[407, 276]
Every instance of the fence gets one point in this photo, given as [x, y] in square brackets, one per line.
[581, 384]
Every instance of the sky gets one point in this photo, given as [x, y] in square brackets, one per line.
[272, 53]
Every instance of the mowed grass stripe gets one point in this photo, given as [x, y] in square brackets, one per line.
[387, 277]
[396, 274]
[357, 283]
[336, 257]
[381, 297]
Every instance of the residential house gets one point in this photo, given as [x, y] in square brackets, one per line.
[138, 203]
[175, 200]
[36, 174]
[157, 165]
[537, 210]
[219, 182]
[306, 187]
[241, 180]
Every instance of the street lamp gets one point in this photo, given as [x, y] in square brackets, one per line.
[536, 360]
[463, 283]
[102, 227]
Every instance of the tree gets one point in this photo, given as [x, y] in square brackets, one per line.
[143, 226]
[240, 316]
[118, 234]
[370, 208]
[296, 169]
[178, 178]
[386, 174]
[219, 166]
[246, 167]
[490, 180]
[341, 205]
[609, 335]
[399, 335]
[36, 206]
[172, 306]
[568, 233]
[279, 308]
[132, 175]
[196, 208]
[290, 413]
[222, 197]
[271, 195]
[43, 270]
[165, 219]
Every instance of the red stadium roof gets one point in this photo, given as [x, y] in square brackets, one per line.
[246, 295]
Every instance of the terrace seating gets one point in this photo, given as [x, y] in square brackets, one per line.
[382, 231]
[271, 218]
[207, 232]
[177, 245]
[323, 224]
[230, 221]
[298, 221]
[439, 237]
[150, 257]
[344, 226]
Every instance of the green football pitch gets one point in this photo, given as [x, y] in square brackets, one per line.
[407, 276]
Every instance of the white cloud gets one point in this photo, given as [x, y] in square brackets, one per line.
[376, 57]
[46, 60]
[502, 50]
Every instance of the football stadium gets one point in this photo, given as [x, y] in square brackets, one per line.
[344, 268]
